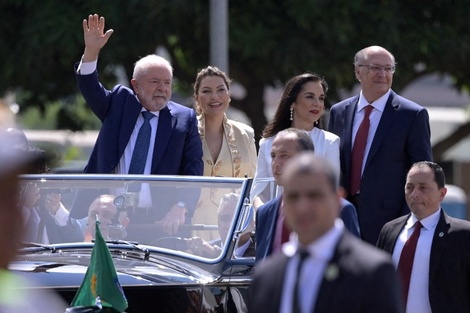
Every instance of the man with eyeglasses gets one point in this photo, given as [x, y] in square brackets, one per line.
[382, 135]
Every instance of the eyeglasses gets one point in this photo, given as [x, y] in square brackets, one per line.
[378, 68]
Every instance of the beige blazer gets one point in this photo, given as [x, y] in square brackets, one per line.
[237, 157]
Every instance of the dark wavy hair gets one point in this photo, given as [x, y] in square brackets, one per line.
[281, 119]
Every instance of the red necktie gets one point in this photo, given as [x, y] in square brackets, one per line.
[357, 154]
[281, 233]
[405, 265]
[285, 232]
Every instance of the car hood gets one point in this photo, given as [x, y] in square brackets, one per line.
[68, 268]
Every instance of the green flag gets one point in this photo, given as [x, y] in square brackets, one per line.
[101, 279]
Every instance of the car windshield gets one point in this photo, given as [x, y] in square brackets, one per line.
[195, 216]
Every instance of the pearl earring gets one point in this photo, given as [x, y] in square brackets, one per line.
[291, 113]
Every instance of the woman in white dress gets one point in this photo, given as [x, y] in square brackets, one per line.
[301, 106]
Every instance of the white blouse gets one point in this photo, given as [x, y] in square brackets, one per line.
[326, 145]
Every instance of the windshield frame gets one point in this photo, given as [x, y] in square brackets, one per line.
[64, 180]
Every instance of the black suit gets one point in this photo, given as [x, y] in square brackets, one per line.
[449, 265]
[366, 282]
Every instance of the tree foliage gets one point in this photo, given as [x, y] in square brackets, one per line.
[269, 41]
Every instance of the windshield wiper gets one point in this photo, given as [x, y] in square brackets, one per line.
[26, 244]
[133, 244]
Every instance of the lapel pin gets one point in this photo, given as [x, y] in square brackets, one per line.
[441, 234]
[332, 272]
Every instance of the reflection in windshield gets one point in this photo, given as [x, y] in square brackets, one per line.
[113, 222]
[135, 211]
[211, 248]
[46, 219]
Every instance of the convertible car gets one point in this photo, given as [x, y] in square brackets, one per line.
[200, 261]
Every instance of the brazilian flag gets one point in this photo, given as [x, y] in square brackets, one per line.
[101, 279]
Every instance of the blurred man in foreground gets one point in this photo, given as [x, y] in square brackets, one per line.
[324, 269]
[16, 294]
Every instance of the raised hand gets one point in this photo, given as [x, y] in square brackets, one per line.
[95, 37]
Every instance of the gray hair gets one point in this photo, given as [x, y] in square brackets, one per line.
[144, 63]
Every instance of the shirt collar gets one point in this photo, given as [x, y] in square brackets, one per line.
[378, 104]
[322, 248]
[428, 222]
[156, 113]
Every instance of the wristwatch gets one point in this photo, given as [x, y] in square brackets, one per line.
[181, 204]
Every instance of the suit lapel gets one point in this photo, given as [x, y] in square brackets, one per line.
[129, 118]
[394, 231]
[385, 122]
[166, 124]
[438, 244]
[231, 143]
[279, 281]
[350, 111]
[332, 276]
[273, 214]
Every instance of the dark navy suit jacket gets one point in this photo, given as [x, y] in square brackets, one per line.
[402, 138]
[178, 148]
[358, 278]
[449, 264]
[266, 219]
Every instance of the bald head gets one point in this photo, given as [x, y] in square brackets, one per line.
[362, 56]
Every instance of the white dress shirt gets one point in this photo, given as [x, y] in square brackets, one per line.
[418, 294]
[326, 145]
[374, 117]
[312, 272]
